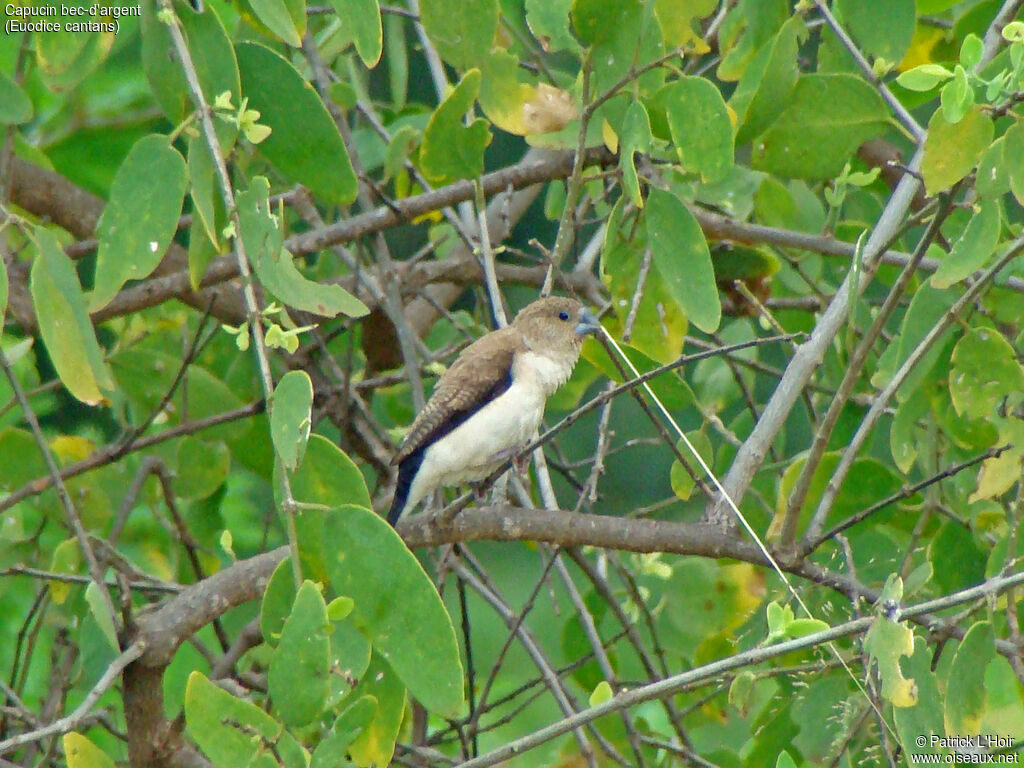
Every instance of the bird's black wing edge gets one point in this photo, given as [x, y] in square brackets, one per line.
[410, 465]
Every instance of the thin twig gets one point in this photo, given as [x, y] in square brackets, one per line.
[72, 721]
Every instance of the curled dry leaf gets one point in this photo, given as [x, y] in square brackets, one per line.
[550, 109]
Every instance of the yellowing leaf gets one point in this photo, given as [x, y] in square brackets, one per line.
[951, 150]
[71, 448]
[998, 475]
[64, 322]
[82, 753]
[677, 19]
[965, 690]
[502, 96]
[885, 642]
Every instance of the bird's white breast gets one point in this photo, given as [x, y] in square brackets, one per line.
[500, 429]
[483, 442]
[496, 432]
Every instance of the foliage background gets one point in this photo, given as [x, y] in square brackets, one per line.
[810, 213]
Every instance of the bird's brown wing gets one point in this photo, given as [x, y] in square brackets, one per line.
[481, 372]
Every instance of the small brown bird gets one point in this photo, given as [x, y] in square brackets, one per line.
[488, 405]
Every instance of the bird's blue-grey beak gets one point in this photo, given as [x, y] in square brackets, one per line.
[588, 323]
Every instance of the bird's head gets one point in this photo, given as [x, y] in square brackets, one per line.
[555, 324]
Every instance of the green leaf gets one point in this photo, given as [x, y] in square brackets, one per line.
[993, 178]
[924, 77]
[397, 53]
[144, 376]
[141, 218]
[681, 480]
[298, 676]
[462, 32]
[82, 753]
[548, 20]
[361, 21]
[329, 753]
[741, 691]
[216, 67]
[202, 467]
[291, 417]
[759, 20]
[601, 694]
[66, 558]
[680, 254]
[765, 87]
[869, 480]
[971, 51]
[957, 96]
[232, 732]
[366, 557]
[598, 21]
[985, 371]
[952, 150]
[973, 249]
[15, 106]
[452, 150]
[965, 689]
[100, 613]
[784, 761]
[1004, 701]
[1013, 159]
[803, 627]
[955, 544]
[328, 476]
[212, 55]
[927, 307]
[810, 142]
[262, 236]
[699, 123]
[278, 598]
[308, 150]
[881, 30]
[65, 57]
[622, 36]
[375, 745]
[779, 618]
[206, 200]
[339, 608]
[64, 322]
[285, 18]
[4, 287]
[634, 136]
[902, 439]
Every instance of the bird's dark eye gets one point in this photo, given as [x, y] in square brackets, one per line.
[563, 315]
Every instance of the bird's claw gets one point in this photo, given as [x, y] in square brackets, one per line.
[522, 464]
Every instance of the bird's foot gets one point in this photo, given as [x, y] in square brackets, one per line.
[479, 491]
[522, 464]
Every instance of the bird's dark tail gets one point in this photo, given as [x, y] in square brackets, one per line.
[407, 470]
